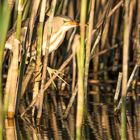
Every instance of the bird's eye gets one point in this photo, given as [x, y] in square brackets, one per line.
[66, 21]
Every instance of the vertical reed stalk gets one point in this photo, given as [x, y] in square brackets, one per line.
[33, 16]
[5, 10]
[39, 45]
[14, 64]
[19, 19]
[21, 70]
[26, 10]
[87, 58]
[45, 61]
[88, 47]
[16, 9]
[81, 60]
[38, 66]
[125, 71]
[137, 127]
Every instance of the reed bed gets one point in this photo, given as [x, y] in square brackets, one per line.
[87, 88]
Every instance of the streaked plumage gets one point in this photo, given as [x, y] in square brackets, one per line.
[60, 25]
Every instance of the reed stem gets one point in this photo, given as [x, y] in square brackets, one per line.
[81, 68]
[125, 71]
[5, 10]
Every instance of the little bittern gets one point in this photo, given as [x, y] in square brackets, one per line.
[60, 25]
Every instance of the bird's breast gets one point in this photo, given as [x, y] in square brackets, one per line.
[55, 41]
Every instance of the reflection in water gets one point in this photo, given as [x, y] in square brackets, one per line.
[54, 127]
[105, 124]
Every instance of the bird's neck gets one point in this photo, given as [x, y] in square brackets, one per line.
[56, 40]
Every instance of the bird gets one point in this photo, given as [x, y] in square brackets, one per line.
[60, 25]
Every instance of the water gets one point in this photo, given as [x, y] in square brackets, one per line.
[101, 124]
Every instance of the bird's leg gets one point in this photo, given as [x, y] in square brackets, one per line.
[55, 72]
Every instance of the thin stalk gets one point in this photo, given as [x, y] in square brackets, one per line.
[118, 88]
[39, 45]
[14, 64]
[27, 77]
[41, 20]
[88, 48]
[19, 18]
[131, 78]
[38, 65]
[21, 73]
[70, 103]
[65, 7]
[16, 9]
[81, 61]
[45, 62]
[53, 120]
[87, 59]
[5, 10]
[27, 9]
[33, 18]
[125, 71]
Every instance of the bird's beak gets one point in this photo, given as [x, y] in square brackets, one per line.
[72, 23]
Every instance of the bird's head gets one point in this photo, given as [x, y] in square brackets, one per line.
[64, 22]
